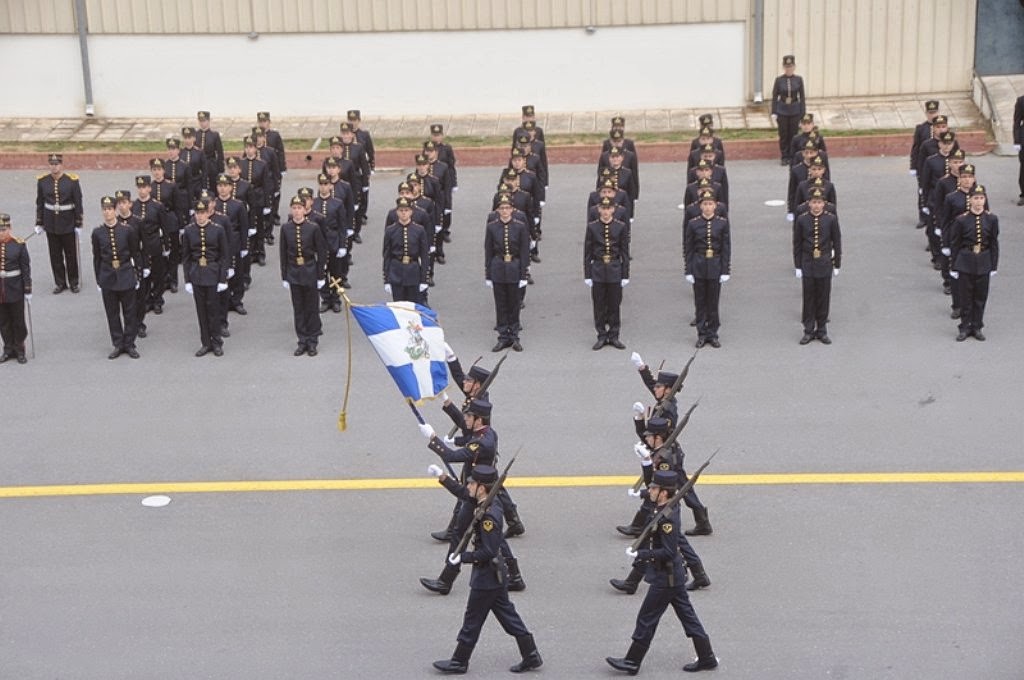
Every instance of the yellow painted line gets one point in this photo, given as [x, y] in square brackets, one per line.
[142, 488]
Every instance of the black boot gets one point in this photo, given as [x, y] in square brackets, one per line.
[703, 527]
[629, 585]
[446, 535]
[631, 662]
[699, 577]
[705, 660]
[515, 525]
[459, 663]
[443, 584]
[636, 526]
[531, 657]
[515, 577]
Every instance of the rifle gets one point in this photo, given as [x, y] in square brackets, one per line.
[676, 387]
[671, 440]
[483, 386]
[672, 503]
[482, 506]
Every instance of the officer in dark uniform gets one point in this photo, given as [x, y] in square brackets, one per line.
[816, 171]
[444, 153]
[406, 256]
[268, 155]
[974, 252]
[175, 202]
[15, 290]
[179, 172]
[808, 130]
[788, 105]
[1018, 143]
[59, 213]
[606, 189]
[334, 225]
[195, 161]
[922, 133]
[930, 147]
[303, 272]
[154, 223]
[529, 114]
[954, 204]
[817, 257]
[443, 173]
[489, 583]
[342, 190]
[707, 253]
[261, 189]
[665, 572]
[117, 263]
[237, 214]
[606, 272]
[275, 142]
[506, 257]
[365, 139]
[205, 259]
[934, 168]
[353, 151]
[208, 141]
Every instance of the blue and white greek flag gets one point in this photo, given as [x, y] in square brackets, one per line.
[409, 341]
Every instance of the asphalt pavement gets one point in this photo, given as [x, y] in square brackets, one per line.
[882, 580]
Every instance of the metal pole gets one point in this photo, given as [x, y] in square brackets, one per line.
[758, 51]
[82, 20]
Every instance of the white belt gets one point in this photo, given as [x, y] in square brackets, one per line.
[11, 274]
[59, 207]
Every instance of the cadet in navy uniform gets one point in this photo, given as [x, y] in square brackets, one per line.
[179, 172]
[335, 229]
[666, 575]
[954, 204]
[195, 161]
[529, 114]
[974, 252]
[606, 272]
[205, 259]
[268, 155]
[1018, 143]
[303, 272]
[154, 224]
[209, 142]
[817, 257]
[176, 202]
[506, 258]
[352, 150]
[237, 215]
[788, 105]
[275, 142]
[406, 256]
[365, 139]
[489, 583]
[117, 263]
[59, 213]
[707, 254]
[15, 290]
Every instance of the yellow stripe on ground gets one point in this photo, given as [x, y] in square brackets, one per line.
[144, 488]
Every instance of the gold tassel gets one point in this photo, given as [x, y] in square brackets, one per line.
[342, 417]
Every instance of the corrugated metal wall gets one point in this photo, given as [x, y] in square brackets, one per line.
[37, 16]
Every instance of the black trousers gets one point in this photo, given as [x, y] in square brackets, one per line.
[817, 292]
[706, 294]
[788, 126]
[364, 203]
[1020, 176]
[655, 603]
[208, 312]
[173, 261]
[483, 602]
[158, 279]
[607, 299]
[236, 284]
[400, 293]
[337, 270]
[12, 326]
[306, 309]
[506, 310]
[63, 258]
[973, 296]
[122, 316]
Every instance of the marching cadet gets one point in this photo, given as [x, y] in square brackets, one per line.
[528, 180]
[237, 214]
[443, 173]
[707, 253]
[194, 161]
[364, 137]
[336, 234]
[788, 105]
[118, 265]
[705, 138]
[153, 223]
[167, 193]
[816, 171]
[342, 190]
[59, 214]
[208, 141]
[702, 180]
[692, 210]
[535, 147]
[627, 144]
[446, 154]
[506, 258]
[718, 174]
[205, 259]
[808, 130]
[934, 168]
[817, 257]
[666, 575]
[269, 156]
[606, 272]
[825, 186]
[799, 173]
[422, 207]
[178, 172]
[261, 189]
[240, 189]
[935, 202]
[974, 252]
[624, 176]
[930, 147]
[303, 273]
[275, 142]
[529, 115]
[606, 189]
[15, 291]
[707, 120]
[954, 204]
[922, 133]
[406, 256]
[354, 151]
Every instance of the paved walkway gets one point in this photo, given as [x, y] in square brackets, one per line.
[1002, 96]
[831, 114]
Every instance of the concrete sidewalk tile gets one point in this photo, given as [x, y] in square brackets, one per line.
[558, 124]
[910, 113]
[731, 119]
[385, 127]
[861, 118]
[507, 123]
[759, 119]
[413, 126]
[485, 125]
[833, 118]
[682, 119]
[584, 122]
[886, 116]
[87, 134]
[459, 125]
[656, 120]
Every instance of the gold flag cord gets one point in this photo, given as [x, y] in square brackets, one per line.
[342, 417]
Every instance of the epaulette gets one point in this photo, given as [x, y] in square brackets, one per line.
[72, 176]
[19, 240]
[42, 176]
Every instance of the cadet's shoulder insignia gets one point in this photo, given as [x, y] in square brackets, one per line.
[488, 525]
[667, 527]
[19, 240]
[473, 446]
[72, 176]
[43, 176]
[663, 466]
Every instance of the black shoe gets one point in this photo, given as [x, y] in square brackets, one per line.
[158, 309]
[75, 288]
[447, 237]
[345, 284]
[436, 585]
[173, 288]
[299, 351]
[261, 260]
[947, 289]
[115, 354]
[132, 352]
[1020, 201]
[239, 309]
[142, 332]
[336, 306]
[701, 665]
[312, 351]
[452, 667]
[225, 333]
[442, 536]
[439, 259]
[714, 342]
[534, 257]
[626, 665]
[616, 343]
[324, 306]
[623, 585]
[59, 288]
[825, 340]
[962, 335]
[978, 335]
[20, 357]
[806, 338]
[700, 342]
[954, 313]
[693, 322]
[516, 346]
[356, 238]
[269, 239]
[920, 225]
[202, 351]
[500, 345]
[629, 530]
[5, 356]
[529, 278]
[218, 351]
[529, 663]
[601, 342]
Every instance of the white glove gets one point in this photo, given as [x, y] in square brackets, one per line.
[799, 273]
[920, 191]
[789, 217]
[954, 274]
[589, 283]
[387, 288]
[231, 272]
[251, 232]
[638, 361]
[642, 452]
[38, 229]
[633, 493]
[166, 253]
[926, 210]
[433, 249]
[630, 553]
[522, 283]
[937, 232]
[536, 220]
[1016, 147]
[543, 202]
[447, 211]
[146, 273]
[488, 283]
[455, 188]
[244, 253]
[286, 285]
[437, 228]
[624, 282]
[28, 296]
[221, 287]
[342, 252]
[434, 470]
[992, 273]
[448, 441]
[423, 287]
[444, 396]
[835, 271]
[723, 278]
[356, 206]
[78, 231]
[350, 232]
[188, 288]
[913, 173]
[427, 430]
[449, 353]
[533, 244]
[320, 283]
[454, 560]
[138, 285]
[101, 290]
[283, 173]
[689, 278]
[945, 251]
[266, 211]
[638, 409]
